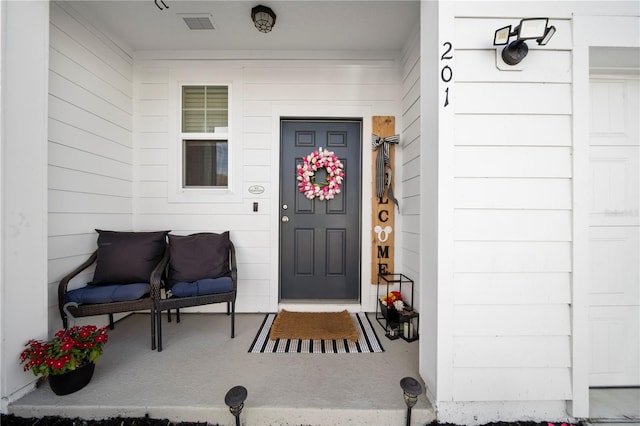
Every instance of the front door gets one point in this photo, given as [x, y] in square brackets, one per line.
[320, 239]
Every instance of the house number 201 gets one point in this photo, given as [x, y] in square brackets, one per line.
[446, 73]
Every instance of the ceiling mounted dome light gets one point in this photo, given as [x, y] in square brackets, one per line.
[263, 18]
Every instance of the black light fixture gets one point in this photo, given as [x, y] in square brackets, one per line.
[528, 29]
[263, 18]
[411, 388]
[235, 398]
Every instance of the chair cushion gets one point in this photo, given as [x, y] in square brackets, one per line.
[107, 293]
[127, 257]
[202, 287]
[197, 256]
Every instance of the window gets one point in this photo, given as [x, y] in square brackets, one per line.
[205, 136]
[205, 163]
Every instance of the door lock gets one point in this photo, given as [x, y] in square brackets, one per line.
[284, 207]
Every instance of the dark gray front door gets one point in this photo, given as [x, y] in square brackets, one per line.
[320, 239]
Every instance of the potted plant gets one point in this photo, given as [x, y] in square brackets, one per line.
[390, 305]
[68, 359]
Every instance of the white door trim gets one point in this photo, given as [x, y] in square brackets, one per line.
[307, 110]
[616, 32]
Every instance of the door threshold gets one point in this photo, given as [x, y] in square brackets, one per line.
[316, 306]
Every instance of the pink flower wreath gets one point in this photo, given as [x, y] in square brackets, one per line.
[306, 175]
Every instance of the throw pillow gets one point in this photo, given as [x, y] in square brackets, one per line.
[127, 257]
[197, 256]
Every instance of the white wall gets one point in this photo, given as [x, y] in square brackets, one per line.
[261, 92]
[511, 223]
[512, 219]
[410, 164]
[513, 348]
[90, 172]
[24, 200]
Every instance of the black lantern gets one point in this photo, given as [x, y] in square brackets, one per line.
[409, 325]
[235, 398]
[411, 389]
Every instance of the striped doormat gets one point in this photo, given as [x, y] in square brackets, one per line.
[367, 340]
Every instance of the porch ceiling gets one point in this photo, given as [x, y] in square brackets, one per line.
[300, 25]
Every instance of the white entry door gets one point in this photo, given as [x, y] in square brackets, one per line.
[614, 240]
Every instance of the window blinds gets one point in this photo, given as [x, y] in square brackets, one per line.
[205, 109]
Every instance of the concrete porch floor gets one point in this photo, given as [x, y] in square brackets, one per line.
[199, 363]
[614, 406]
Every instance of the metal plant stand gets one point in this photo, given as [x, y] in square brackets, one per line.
[405, 323]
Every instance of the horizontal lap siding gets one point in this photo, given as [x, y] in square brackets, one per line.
[90, 143]
[512, 288]
[409, 166]
[512, 384]
[513, 193]
[512, 220]
[263, 85]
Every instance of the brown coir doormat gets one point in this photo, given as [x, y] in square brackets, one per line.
[313, 326]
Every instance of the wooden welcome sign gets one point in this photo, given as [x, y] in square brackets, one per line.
[383, 209]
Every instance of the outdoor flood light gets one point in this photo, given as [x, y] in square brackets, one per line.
[235, 398]
[547, 36]
[502, 36]
[515, 52]
[531, 28]
[528, 29]
[411, 388]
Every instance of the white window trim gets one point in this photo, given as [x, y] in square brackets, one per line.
[177, 193]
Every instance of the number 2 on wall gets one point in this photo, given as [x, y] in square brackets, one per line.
[446, 73]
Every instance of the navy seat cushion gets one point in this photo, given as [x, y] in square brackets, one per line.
[127, 257]
[198, 256]
[202, 287]
[108, 293]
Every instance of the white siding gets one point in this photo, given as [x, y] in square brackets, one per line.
[23, 190]
[90, 143]
[258, 90]
[512, 220]
[410, 165]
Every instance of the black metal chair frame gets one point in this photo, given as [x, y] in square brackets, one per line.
[89, 309]
[162, 304]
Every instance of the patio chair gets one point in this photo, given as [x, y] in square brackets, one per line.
[202, 270]
[128, 273]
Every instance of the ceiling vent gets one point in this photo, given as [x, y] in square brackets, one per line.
[201, 21]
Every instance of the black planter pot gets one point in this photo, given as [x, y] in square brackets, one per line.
[72, 381]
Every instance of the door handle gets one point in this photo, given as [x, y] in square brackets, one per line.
[285, 219]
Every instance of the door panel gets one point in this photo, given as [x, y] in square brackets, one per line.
[615, 185]
[320, 239]
[614, 234]
[615, 346]
[614, 266]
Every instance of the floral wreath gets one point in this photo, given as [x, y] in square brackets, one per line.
[306, 175]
